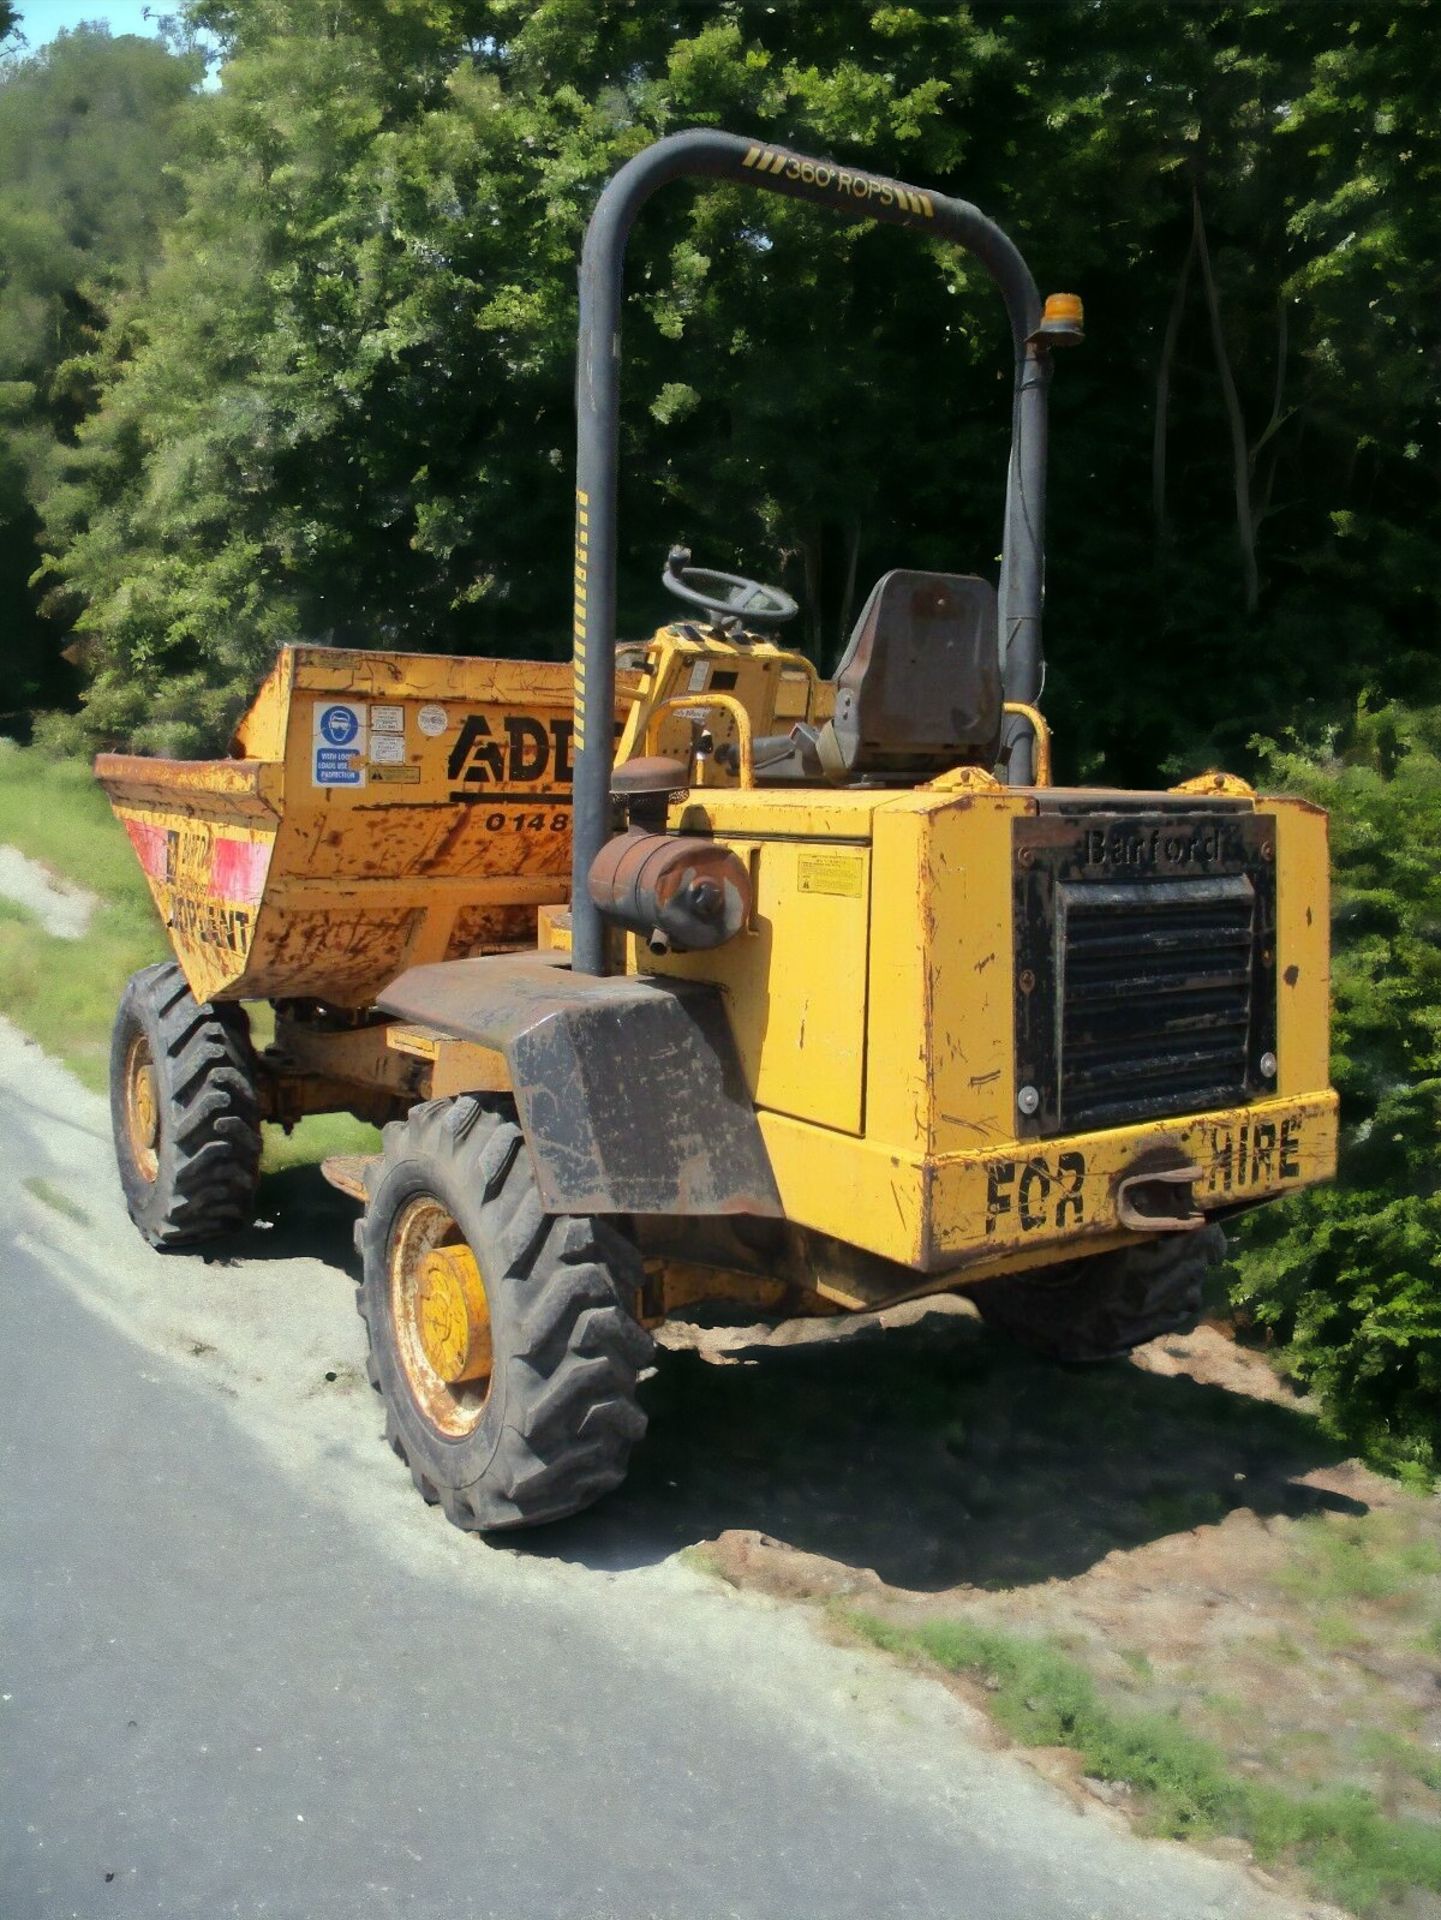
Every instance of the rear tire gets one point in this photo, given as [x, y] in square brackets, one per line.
[184, 1110]
[546, 1424]
[1108, 1304]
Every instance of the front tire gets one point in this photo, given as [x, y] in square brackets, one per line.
[1107, 1304]
[184, 1111]
[502, 1338]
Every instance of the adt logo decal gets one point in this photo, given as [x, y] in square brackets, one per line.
[339, 725]
[339, 759]
[516, 759]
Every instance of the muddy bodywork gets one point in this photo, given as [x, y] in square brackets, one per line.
[630, 1091]
[378, 811]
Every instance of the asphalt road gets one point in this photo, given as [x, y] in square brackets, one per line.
[244, 1671]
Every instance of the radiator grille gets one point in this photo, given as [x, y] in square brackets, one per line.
[1153, 1016]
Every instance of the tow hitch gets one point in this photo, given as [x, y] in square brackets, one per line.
[1160, 1200]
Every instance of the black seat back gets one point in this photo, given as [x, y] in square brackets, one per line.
[918, 689]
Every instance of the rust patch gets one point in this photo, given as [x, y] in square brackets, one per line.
[328, 891]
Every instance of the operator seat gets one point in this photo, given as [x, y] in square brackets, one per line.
[918, 690]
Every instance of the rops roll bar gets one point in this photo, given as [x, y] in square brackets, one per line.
[852, 193]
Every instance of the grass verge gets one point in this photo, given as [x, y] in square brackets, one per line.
[315, 1138]
[1355, 1853]
[63, 993]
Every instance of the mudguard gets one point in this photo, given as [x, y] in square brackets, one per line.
[630, 1091]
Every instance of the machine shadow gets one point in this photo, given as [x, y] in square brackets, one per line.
[935, 1453]
[299, 1217]
[940, 1455]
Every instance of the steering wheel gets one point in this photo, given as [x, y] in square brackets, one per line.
[726, 595]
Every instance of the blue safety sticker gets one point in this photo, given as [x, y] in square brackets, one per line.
[338, 744]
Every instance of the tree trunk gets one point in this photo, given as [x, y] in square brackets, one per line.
[1163, 397]
[1235, 419]
[848, 597]
[811, 545]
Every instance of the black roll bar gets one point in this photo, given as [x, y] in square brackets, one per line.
[852, 193]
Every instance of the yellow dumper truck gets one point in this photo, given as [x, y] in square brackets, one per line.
[680, 973]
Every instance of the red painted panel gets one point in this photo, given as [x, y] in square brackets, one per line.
[238, 869]
[149, 843]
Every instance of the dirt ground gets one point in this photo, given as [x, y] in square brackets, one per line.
[1179, 1523]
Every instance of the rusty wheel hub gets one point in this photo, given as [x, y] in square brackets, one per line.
[142, 1107]
[454, 1318]
[441, 1316]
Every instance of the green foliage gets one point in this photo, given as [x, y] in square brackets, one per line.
[1043, 1698]
[342, 410]
[1346, 1275]
[87, 126]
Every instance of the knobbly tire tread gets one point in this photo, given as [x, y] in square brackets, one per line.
[1106, 1305]
[207, 1083]
[563, 1412]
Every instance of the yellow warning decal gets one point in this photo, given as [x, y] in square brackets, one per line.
[848, 182]
[832, 871]
[579, 614]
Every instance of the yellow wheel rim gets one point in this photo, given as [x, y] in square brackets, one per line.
[441, 1316]
[142, 1108]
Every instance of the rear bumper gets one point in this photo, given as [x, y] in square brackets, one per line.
[1023, 1203]
[1027, 1197]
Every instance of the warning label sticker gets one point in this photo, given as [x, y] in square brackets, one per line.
[387, 749]
[338, 755]
[832, 871]
[387, 719]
